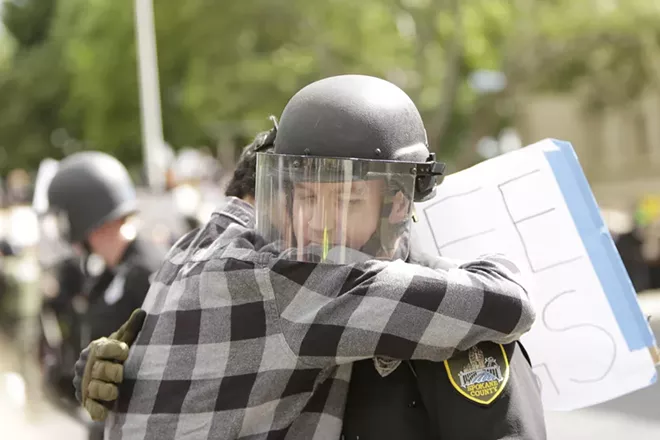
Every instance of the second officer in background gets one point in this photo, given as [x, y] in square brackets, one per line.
[93, 197]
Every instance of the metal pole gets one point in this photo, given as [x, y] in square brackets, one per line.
[152, 126]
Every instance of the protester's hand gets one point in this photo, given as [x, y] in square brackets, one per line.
[100, 367]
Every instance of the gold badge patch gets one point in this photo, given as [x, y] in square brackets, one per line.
[480, 373]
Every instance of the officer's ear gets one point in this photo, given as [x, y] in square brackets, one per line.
[400, 208]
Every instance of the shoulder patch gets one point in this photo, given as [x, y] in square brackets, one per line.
[480, 373]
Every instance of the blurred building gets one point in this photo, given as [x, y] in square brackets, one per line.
[619, 149]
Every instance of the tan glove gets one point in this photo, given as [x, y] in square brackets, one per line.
[100, 367]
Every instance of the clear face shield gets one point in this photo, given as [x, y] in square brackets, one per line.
[334, 210]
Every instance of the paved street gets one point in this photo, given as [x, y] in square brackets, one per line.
[632, 417]
[18, 424]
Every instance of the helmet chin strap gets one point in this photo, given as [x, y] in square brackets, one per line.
[392, 238]
[389, 238]
[375, 246]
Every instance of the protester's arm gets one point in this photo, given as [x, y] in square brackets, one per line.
[337, 314]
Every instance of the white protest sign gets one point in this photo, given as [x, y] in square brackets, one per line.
[591, 341]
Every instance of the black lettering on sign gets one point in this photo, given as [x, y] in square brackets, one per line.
[529, 219]
[597, 375]
[466, 202]
[532, 221]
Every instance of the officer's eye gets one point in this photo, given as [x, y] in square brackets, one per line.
[353, 202]
[307, 198]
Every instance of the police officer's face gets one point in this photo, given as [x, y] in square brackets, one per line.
[344, 214]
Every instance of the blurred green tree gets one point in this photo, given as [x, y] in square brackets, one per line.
[32, 83]
[225, 66]
[28, 20]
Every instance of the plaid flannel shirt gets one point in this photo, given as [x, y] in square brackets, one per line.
[241, 344]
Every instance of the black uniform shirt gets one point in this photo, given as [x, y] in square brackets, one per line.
[418, 402]
[118, 291]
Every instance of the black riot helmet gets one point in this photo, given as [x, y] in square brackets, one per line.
[339, 142]
[360, 117]
[90, 189]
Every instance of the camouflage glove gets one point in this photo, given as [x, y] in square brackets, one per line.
[100, 367]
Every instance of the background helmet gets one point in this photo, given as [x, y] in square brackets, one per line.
[90, 189]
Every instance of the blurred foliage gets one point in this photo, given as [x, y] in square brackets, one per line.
[68, 78]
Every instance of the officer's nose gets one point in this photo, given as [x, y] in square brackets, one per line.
[322, 221]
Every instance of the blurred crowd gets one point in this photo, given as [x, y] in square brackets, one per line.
[636, 234]
[42, 279]
[42, 304]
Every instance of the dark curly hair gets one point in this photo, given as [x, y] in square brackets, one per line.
[243, 181]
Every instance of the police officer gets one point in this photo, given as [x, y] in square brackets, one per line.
[93, 198]
[415, 399]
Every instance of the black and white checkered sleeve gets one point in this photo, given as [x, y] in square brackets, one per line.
[338, 314]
